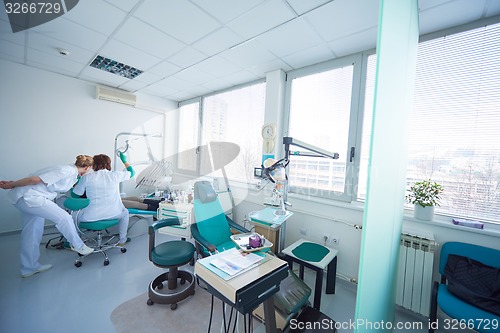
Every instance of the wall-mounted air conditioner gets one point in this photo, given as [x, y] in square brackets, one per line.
[115, 95]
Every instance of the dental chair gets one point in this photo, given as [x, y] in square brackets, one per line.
[212, 228]
[93, 232]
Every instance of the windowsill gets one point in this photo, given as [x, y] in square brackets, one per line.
[445, 222]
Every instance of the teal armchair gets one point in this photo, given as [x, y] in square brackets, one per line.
[464, 312]
[212, 228]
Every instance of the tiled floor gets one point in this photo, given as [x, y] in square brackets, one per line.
[76, 300]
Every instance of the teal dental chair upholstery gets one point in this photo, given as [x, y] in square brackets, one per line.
[171, 255]
[92, 232]
[458, 309]
[212, 228]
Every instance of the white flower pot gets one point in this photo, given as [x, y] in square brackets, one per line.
[424, 213]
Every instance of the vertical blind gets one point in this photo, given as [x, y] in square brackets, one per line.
[454, 132]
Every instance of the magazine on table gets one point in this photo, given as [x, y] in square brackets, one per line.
[234, 261]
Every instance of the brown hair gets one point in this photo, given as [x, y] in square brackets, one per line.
[83, 161]
[102, 161]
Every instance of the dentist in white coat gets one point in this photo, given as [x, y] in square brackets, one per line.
[102, 189]
[34, 197]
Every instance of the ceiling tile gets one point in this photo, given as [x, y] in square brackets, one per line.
[11, 51]
[313, 55]
[187, 56]
[278, 40]
[72, 33]
[6, 33]
[50, 45]
[261, 69]
[126, 5]
[144, 37]
[493, 8]
[248, 54]
[218, 66]
[133, 85]
[160, 89]
[216, 84]
[164, 69]
[179, 19]
[96, 75]
[218, 41]
[128, 55]
[148, 78]
[194, 75]
[96, 15]
[266, 16]
[301, 6]
[363, 41]
[227, 10]
[56, 63]
[175, 83]
[340, 18]
[240, 77]
[438, 17]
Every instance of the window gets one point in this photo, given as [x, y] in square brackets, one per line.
[455, 123]
[189, 121]
[237, 116]
[320, 115]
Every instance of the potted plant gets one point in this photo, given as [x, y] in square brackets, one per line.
[425, 195]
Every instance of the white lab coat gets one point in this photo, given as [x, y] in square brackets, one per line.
[35, 202]
[102, 189]
[55, 179]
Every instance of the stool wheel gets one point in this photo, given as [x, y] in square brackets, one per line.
[150, 302]
[106, 262]
[159, 286]
[123, 250]
[78, 263]
[183, 281]
[173, 306]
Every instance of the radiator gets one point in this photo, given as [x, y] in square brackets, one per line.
[416, 260]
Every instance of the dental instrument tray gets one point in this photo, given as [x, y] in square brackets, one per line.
[251, 242]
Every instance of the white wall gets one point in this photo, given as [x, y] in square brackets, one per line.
[49, 119]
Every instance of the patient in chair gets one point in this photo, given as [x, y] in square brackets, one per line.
[142, 204]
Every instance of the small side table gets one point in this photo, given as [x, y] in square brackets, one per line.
[316, 257]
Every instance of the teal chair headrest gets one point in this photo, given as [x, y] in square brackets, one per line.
[204, 191]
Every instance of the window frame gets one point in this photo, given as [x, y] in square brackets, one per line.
[351, 173]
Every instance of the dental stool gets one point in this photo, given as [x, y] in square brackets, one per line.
[171, 255]
[98, 243]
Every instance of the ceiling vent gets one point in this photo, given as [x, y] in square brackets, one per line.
[115, 95]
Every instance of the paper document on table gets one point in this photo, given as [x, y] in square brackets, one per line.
[233, 261]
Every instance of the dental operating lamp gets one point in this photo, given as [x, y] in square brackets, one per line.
[275, 171]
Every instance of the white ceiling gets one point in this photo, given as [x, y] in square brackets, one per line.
[188, 48]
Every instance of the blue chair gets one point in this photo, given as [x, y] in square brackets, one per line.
[212, 228]
[171, 255]
[93, 231]
[458, 309]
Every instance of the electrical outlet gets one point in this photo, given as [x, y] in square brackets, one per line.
[334, 239]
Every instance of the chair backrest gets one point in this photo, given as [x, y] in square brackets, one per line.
[209, 215]
[484, 255]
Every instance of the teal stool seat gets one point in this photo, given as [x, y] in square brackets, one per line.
[171, 255]
[141, 211]
[316, 257]
[92, 232]
[98, 225]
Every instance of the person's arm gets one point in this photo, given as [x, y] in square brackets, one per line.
[10, 184]
[127, 164]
